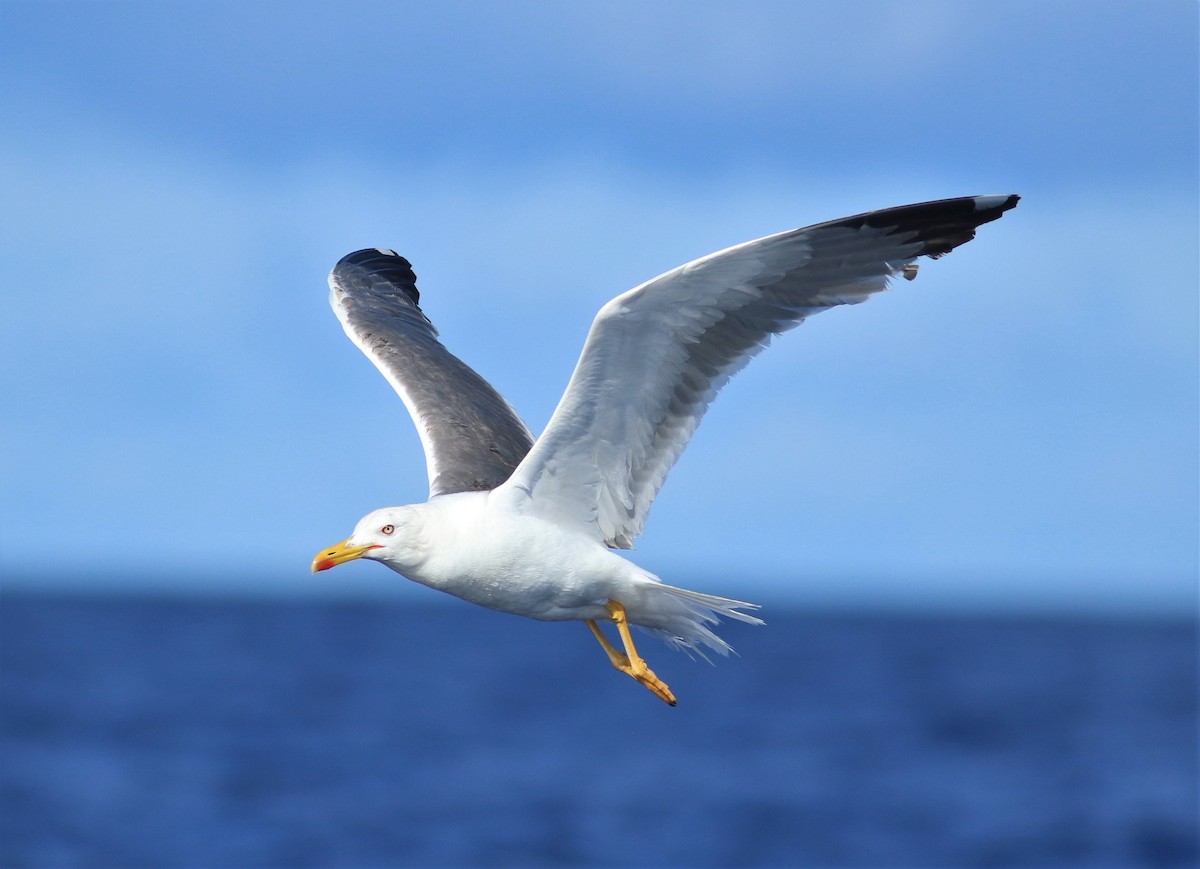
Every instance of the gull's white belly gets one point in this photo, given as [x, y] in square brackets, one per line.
[517, 563]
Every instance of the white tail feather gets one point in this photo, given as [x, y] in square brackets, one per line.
[683, 617]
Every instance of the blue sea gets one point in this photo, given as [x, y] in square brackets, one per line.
[141, 732]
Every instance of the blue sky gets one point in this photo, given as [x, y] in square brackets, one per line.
[1015, 429]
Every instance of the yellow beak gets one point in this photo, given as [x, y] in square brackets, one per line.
[339, 554]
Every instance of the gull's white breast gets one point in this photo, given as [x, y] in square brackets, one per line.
[476, 547]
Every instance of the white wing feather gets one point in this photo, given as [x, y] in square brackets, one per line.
[657, 355]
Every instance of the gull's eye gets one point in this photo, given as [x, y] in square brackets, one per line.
[388, 529]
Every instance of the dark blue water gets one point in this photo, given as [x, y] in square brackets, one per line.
[203, 734]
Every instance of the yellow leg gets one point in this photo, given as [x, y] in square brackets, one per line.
[630, 663]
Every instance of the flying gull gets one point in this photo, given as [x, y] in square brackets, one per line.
[528, 526]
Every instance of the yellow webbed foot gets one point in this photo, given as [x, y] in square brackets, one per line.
[630, 663]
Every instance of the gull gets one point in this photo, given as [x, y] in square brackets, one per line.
[529, 526]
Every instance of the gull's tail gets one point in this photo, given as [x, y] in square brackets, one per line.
[681, 619]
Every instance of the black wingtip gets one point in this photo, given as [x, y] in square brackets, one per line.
[383, 264]
[941, 225]
[379, 259]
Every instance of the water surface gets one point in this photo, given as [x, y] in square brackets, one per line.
[171, 733]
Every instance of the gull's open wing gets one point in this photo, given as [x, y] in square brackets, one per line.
[657, 355]
[472, 437]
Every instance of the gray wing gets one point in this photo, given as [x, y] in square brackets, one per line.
[657, 355]
[473, 439]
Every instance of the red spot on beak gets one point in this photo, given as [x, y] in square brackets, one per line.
[323, 564]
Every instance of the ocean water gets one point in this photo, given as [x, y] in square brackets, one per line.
[171, 733]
